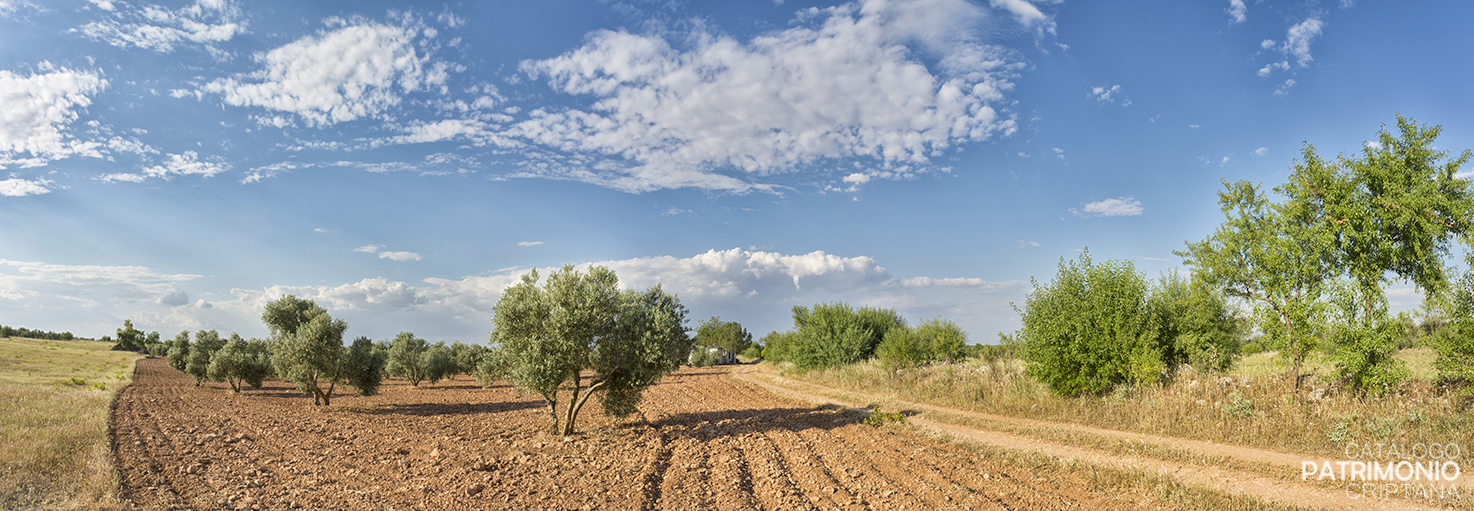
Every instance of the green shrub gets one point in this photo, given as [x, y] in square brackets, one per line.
[1091, 329]
[1197, 326]
[834, 334]
[936, 340]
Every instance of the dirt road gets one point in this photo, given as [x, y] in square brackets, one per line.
[705, 441]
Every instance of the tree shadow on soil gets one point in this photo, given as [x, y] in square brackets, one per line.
[723, 423]
[435, 409]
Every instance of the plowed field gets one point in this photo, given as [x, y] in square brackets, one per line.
[705, 441]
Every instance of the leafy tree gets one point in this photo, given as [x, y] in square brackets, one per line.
[309, 345]
[238, 362]
[179, 351]
[1279, 258]
[727, 335]
[777, 346]
[834, 334]
[363, 366]
[465, 357]
[129, 338]
[206, 343]
[577, 322]
[1197, 324]
[407, 358]
[1364, 347]
[1091, 328]
[439, 362]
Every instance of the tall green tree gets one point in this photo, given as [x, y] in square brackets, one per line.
[547, 336]
[129, 338]
[309, 343]
[1279, 257]
[727, 335]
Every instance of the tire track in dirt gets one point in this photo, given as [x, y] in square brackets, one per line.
[1226, 480]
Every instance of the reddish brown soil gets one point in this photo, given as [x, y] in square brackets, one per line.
[705, 441]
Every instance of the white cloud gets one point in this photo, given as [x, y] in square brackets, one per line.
[1269, 68]
[1103, 94]
[844, 82]
[529, 243]
[186, 164]
[1284, 88]
[1194, 126]
[174, 299]
[758, 286]
[17, 187]
[1298, 39]
[82, 298]
[358, 70]
[1261, 151]
[1267, 44]
[368, 249]
[1059, 152]
[400, 256]
[1237, 11]
[1027, 15]
[1026, 243]
[1120, 206]
[35, 110]
[157, 28]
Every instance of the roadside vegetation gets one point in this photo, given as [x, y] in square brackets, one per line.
[1278, 337]
[54, 397]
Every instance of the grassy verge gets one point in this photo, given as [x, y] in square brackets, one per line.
[1253, 405]
[54, 398]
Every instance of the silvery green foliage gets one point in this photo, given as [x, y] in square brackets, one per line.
[362, 366]
[407, 358]
[308, 345]
[206, 343]
[548, 335]
[178, 355]
[236, 363]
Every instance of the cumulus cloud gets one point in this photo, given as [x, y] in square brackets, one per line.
[17, 187]
[842, 82]
[1261, 151]
[174, 299]
[1120, 206]
[1237, 11]
[756, 285]
[35, 110]
[1103, 94]
[359, 69]
[156, 28]
[1298, 39]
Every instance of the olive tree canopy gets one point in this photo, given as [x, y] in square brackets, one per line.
[580, 322]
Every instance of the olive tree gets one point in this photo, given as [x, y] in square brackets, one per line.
[178, 355]
[308, 345]
[416, 360]
[363, 366]
[238, 361]
[577, 322]
[206, 343]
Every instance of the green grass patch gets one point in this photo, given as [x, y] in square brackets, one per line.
[54, 398]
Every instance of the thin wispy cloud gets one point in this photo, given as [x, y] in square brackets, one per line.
[1120, 206]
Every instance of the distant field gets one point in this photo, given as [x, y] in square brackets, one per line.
[54, 398]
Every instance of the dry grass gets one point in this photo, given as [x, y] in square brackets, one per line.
[54, 398]
[1253, 405]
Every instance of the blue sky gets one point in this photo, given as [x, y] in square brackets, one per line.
[183, 163]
